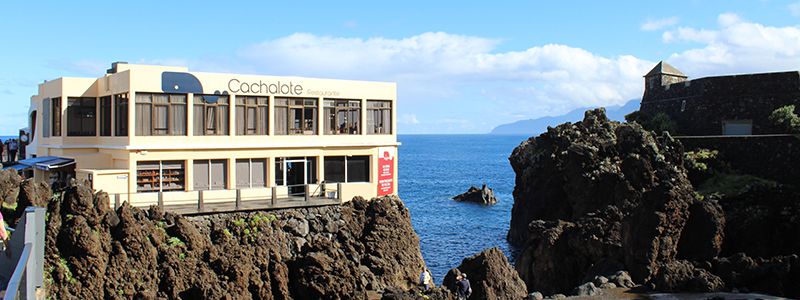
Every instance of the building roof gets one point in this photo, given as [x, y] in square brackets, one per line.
[665, 68]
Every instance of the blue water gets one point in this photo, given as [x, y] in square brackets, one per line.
[434, 168]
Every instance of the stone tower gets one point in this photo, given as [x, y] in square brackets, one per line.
[661, 75]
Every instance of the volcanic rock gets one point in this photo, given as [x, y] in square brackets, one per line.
[483, 195]
[93, 252]
[490, 276]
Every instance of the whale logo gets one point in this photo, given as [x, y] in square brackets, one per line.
[184, 83]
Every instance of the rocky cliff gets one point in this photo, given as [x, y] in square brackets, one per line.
[333, 252]
[596, 197]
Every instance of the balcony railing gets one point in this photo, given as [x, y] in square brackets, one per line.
[24, 267]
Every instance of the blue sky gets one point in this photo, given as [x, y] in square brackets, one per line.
[461, 66]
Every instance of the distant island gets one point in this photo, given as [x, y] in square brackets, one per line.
[539, 125]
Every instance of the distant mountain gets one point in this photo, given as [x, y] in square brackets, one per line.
[537, 126]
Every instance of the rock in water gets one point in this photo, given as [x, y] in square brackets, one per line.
[490, 275]
[483, 195]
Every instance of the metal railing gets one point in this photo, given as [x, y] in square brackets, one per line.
[25, 265]
[304, 192]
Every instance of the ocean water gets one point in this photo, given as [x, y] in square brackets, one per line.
[434, 168]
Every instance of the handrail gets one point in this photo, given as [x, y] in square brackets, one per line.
[19, 275]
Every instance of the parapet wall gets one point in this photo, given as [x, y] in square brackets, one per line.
[700, 106]
[774, 157]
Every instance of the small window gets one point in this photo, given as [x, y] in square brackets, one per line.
[121, 114]
[251, 115]
[105, 116]
[251, 173]
[56, 114]
[379, 117]
[210, 174]
[737, 127]
[159, 176]
[347, 169]
[46, 117]
[342, 116]
[210, 115]
[295, 116]
[81, 116]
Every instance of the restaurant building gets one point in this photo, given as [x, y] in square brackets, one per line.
[157, 134]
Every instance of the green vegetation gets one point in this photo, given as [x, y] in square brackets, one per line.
[699, 159]
[182, 256]
[785, 118]
[727, 184]
[10, 206]
[63, 264]
[248, 227]
[175, 241]
[658, 123]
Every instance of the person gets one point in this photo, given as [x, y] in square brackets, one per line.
[3, 236]
[12, 150]
[426, 279]
[463, 289]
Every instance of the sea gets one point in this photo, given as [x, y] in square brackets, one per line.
[434, 168]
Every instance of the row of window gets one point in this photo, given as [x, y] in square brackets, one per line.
[212, 174]
[165, 114]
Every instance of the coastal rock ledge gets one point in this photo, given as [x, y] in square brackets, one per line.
[332, 252]
[597, 197]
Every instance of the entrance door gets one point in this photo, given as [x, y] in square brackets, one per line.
[296, 176]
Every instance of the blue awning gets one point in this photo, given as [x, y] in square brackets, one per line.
[18, 167]
[47, 163]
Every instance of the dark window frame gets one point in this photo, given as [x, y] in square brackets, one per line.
[84, 110]
[171, 105]
[346, 167]
[302, 105]
[219, 111]
[259, 105]
[377, 117]
[334, 108]
[121, 112]
[105, 112]
[56, 113]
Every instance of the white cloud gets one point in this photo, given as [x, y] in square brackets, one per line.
[658, 24]
[736, 46]
[436, 71]
[408, 119]
[794, 9]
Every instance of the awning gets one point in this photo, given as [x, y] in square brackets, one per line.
[17, 167]
[47, 163]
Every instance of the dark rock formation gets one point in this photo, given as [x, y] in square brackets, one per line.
[596, 197]
[93, 252]
[490, 275]
[778, 275]
[9, 186]
[483, 195]
[437, 293]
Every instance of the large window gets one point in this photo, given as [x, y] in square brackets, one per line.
[210, 174]
[342, 116]
[295, 116]
[346, 169]
[160, 114]
[105, 116]
[159, 176]
[81, 116]
[121, 114]
[293, 171]
[251, 115]
[251, 172]
[379, 117]
[210, 115]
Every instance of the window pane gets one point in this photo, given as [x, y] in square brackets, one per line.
[279, 165]
[161, 118]
[251, 120]
[121, 115]
[334, 169]
[56, 111]
[219, 174]
[105, 116]
[242, 173]
[143, 119]
[178, 119]
[240, 119]
[46, 117]
[358, 169]
[198, 119]
[81, 116]
[281, 120]
[200, 175]
[259, 172]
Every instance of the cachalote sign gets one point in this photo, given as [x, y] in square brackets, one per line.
[260, 87]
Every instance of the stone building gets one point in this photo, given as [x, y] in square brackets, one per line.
[719, 105]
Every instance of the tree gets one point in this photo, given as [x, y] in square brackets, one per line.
[785, 118]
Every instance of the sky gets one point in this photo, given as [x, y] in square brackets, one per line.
[460, 66]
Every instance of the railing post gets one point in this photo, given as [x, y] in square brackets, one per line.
[161, 200]
[116, 201]
[339, 191]
[200, 204]
[38, 249]
[274, 194]
[307, 194]
[238, 198]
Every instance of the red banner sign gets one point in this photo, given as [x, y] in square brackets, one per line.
[386, 171]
